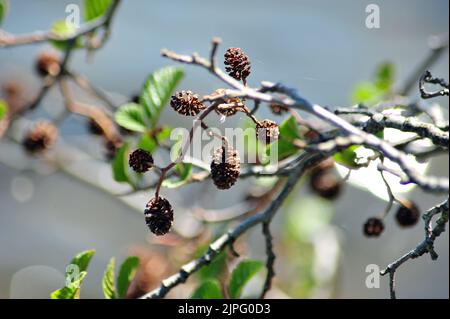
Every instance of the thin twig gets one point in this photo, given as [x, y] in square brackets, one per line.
[270, 259]
[9, 40]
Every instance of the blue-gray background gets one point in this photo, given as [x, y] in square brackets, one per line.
[321, 47]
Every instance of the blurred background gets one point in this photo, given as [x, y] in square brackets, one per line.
[322, 47]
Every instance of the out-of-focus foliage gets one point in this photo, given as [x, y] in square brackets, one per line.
[371, 92]
[94, 9]
[368, 93]
[126, 274]
[3, 9]
[63, 28]
[3, 108]
[108, 285]
[75, 275]
[77, 272]
[243, 272]
[305, 223]
[209, 289]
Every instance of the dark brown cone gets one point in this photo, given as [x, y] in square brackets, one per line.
[238, 63]
[48, 63]
[186, 103]
[140, 160]
[408, 214]
[278, 109]
[326, 184]
[12, 89]
[159, 215]
[373, 227]
[267, 131]
[225, 167]
[41, 137]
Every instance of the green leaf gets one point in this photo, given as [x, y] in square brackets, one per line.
[305, 217]
[365, 92]
[163, 134]
[70, 292]
[384, 76]
[126, 275]
[184, 171]
[3, 9]
[3, 108]
[215, 268]
[242, 274]
[63, 28]
[370, 93]
[109, 290]
[209, 289]
[131, 116]
[94, 9]
[158, 89]
[289, 129]
[149, 143]
[120, 164]
[83, 259]
[347, 157]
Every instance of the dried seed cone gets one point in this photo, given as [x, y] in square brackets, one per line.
[373, 227]
[238, 63]
[140, 160]
[408, 214]
[267, 131]
[186, 103]
[278, 109]
[326, 184]
[225, 167]
[12, 89]
[41, 137]
[159, 215]
[48, 63]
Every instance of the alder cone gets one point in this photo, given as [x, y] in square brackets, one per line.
[41, 137]
[278, 109]
[186, 103]
[48, 63]
[159, 215]
[238, 63]
[408, 214]
[140, 160]
[267, 131]
[225, 167]
[373, 227]
[325, 183]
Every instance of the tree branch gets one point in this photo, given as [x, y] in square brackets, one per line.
[294, 100]
[9, 40]
[270, 259]
[426, 246]
[222, 242]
